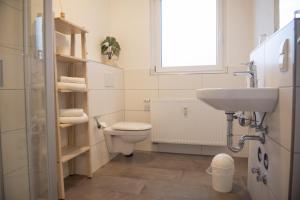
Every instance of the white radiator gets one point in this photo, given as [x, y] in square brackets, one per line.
[187, 121]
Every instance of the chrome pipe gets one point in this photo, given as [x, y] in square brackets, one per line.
[243, 139]
[231, 147]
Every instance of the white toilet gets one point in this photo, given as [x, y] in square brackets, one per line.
[122, 136]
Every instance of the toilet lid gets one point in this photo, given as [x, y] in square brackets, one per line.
[131, 126]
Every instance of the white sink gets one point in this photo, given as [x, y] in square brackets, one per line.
[244, 99]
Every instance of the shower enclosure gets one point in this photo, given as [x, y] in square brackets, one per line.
[27, 142]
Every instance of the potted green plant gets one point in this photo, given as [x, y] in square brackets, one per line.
[110, 50]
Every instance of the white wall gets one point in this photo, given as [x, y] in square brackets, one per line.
[106, 102]
[12, 102]
[129, 23]
[93, 15]
[265, 18]
[278, 143]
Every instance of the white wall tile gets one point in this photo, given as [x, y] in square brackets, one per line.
[96, 134]
[280, 121]
[137, 116]
[135, 99]
[140, 79]
[13, 35]
[14, 150]
[177, 94]
[105, 101]
[12, 110]
[192, 81]
[223, 81]
[275, 78]
[18, 4]
[16, 185]
[13, 70]
[239, 41]
[98, 75]
[278, 173]
[100, 155]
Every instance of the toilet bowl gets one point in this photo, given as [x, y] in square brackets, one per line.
[122, 136]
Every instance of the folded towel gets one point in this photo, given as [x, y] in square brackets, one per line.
[73, 112]
[68, 79]
[74, 120]
[71, 86]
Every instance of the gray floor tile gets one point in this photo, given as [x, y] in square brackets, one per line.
[156, 176]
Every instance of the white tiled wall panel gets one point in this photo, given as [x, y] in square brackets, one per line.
[106, 102]
[140, 79]
[273, 76]
[11, 34]
[12, 110]
[278, 142]
[14, 150]
[177, 82]
[17, 4]
[280, 121]
[13, 72]
[16, 185]
[135, 99]
[101, 76]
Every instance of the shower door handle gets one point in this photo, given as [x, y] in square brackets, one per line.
[1, 74]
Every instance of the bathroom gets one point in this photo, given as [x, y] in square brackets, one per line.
[156, 117]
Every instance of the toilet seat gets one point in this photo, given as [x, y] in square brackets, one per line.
[131, 126]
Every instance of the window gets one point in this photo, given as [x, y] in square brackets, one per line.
[186, 35]
[287, 11]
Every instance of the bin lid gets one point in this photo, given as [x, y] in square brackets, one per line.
[223, 161]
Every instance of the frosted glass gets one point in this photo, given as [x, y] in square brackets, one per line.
[189, 33]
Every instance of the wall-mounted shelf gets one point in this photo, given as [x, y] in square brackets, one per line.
[75, 140]
[66, 27]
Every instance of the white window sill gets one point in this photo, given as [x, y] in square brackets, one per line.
[170, 71]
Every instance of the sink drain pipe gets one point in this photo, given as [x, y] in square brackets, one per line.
[241, 143]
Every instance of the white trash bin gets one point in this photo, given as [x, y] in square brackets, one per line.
[222, 171]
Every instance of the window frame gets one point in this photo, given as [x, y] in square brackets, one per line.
[156, 47]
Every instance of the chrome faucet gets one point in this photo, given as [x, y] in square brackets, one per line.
[251, 72]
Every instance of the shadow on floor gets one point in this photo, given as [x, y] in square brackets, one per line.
[155, 176]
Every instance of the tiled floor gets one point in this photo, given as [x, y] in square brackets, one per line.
[155, 176]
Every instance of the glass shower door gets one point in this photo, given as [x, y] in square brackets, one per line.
[27, 157]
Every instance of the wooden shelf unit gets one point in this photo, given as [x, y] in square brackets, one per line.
[66, 27]
[73, 152]
[69, 59]
[73, 140]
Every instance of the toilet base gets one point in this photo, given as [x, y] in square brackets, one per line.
[129, 155]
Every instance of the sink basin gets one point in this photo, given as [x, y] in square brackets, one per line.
[244, 99]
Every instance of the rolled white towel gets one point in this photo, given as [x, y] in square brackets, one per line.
[68, 79]
[71, 86]
[74, 120]
[73, 112]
